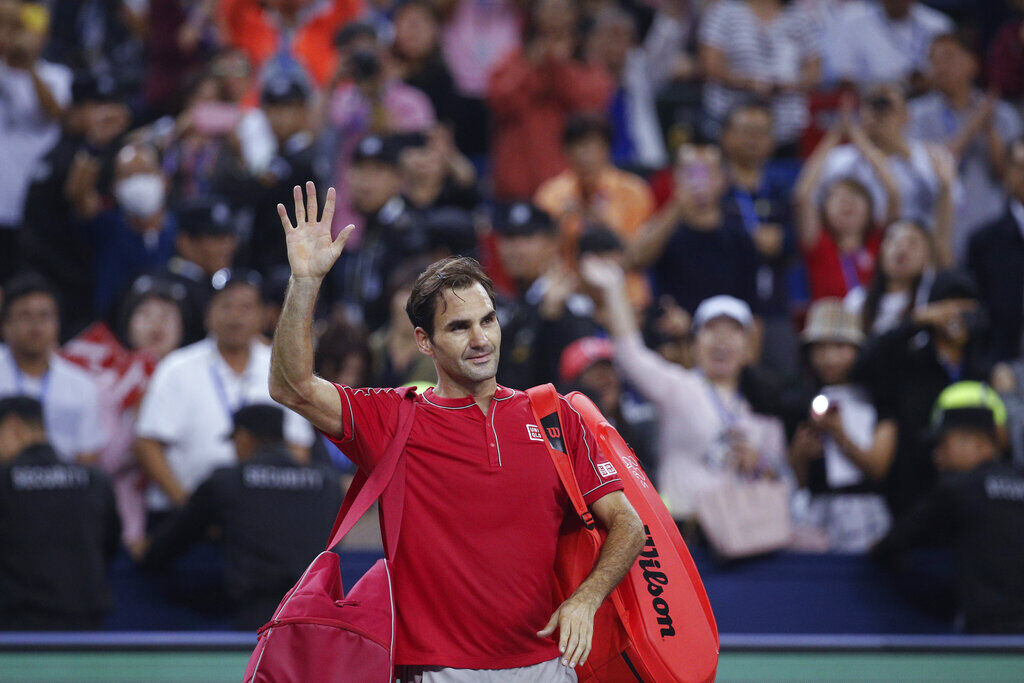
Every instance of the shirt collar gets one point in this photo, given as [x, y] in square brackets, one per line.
[500, 393]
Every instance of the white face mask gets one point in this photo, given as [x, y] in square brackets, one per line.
[142, 194]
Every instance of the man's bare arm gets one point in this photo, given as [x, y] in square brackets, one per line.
[574, 618]
[150, 454]
[311, 254]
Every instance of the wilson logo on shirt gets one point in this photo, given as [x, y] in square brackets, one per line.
[606, 469]
[533, 431]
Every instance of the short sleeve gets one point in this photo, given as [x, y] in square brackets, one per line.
[366, 423]
[162, 413]
[595, 475]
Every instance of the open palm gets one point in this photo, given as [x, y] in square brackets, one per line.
[311, 249]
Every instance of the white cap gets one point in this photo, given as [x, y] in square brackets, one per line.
[722, 305]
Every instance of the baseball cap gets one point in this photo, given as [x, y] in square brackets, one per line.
[284, 88]
[829, 321]
[206, 216]
[226, 278]
[581, 354]
[952, 284]
[24, 407]
[967, 405]
[519, 219]
[379, 149]
[719, 306]
[262, 420]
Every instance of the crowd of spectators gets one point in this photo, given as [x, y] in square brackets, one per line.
[765, 237]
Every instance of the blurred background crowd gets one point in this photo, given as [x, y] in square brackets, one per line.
[780, 244]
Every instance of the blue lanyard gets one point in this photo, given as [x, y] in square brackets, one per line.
[848, 266]
[19, 383]
[748, 210]
[222, 394]
[727, 416]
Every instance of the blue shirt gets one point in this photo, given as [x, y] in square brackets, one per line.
[121, 253]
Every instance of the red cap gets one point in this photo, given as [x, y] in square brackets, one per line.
[581, 354]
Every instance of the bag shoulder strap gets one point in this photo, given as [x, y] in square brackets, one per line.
[366, 489]
[544, 402]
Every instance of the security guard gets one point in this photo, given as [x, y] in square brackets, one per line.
[58, 528]
[274, 516]
[978, 506]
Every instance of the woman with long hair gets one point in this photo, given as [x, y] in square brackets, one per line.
[901, 283]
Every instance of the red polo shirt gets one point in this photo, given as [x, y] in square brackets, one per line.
[473, 575]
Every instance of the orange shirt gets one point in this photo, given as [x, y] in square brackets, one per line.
[247, 26]
[622, 202]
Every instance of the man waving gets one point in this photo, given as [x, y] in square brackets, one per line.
[474, 583]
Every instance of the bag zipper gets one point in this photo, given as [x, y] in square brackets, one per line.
[336, 623]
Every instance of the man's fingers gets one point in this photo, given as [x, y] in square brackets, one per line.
[300, 209]
[283, 213]
[550, 628]
[572, 646]
[311, 208]
[328, 216]
[341, 239]
[586, 651]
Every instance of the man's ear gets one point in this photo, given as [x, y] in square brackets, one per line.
[423, 342]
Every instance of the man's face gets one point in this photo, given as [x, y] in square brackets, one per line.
[589, 156]
[747, 139]
[952, 67]
[235, 315]
[1013, 173]
[33, 324]
[960, 450]
[424, 163]
[526, 257]
[466, 336]
[721, 348]
[209, 252]
[372, 184]
[286, 119]
[611, 41]
[884, 113]
[956, 323]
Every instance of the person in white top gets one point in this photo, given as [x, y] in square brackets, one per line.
[33, 96]
[30, 366]
[883, 40]
[706, 427]
[841, 450]
[186, 414]
[924, 173]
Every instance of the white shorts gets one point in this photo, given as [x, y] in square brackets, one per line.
[551, 671]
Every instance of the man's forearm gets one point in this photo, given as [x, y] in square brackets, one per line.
[291, 359]
[150, 454]
[618, 553]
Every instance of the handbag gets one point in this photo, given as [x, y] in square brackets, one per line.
[657, 625]
[318, 634]
[742, 517]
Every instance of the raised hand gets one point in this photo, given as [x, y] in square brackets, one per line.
[311, 249]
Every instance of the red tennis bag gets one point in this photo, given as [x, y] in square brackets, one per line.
[320, 635]
[657, 625]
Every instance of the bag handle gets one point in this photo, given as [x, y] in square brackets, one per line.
[365, 490]
[544, 402]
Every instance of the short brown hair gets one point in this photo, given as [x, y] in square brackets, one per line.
[454, 272]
